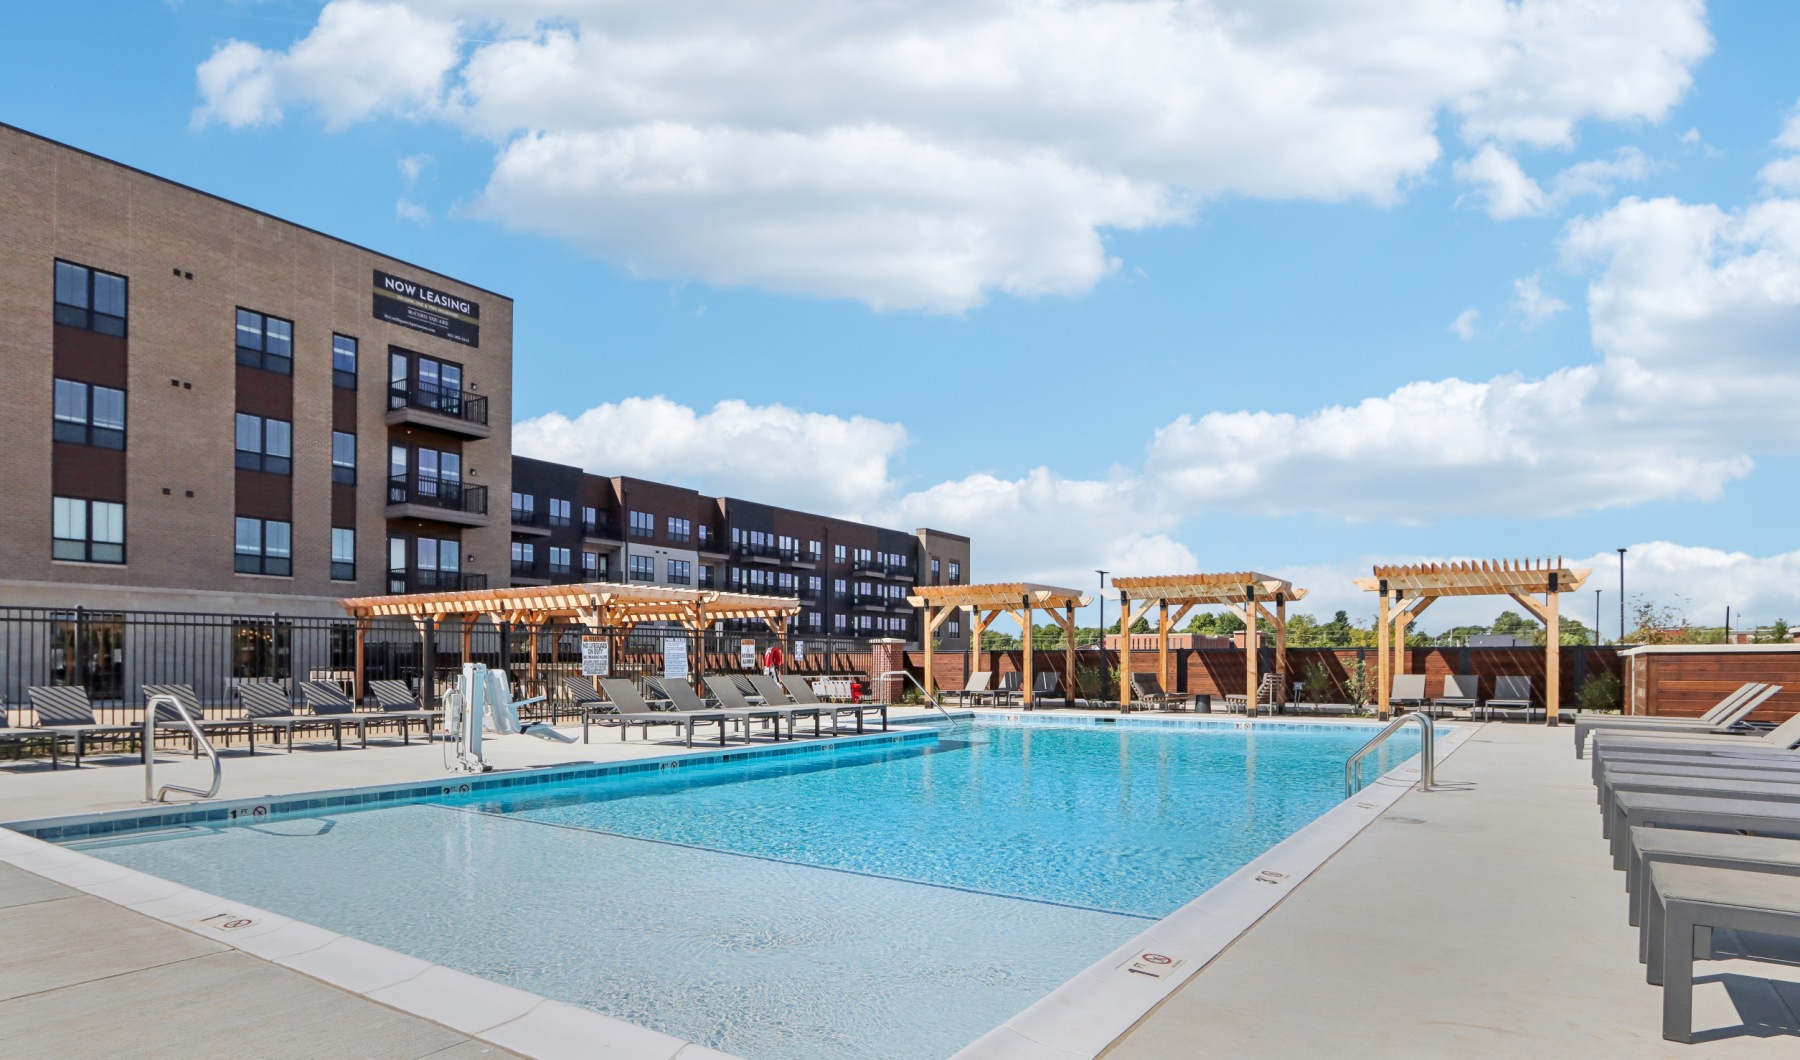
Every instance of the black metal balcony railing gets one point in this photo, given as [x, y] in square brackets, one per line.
[434, 581]
[868, 600]
[522, 568]
[598, 528]
[438, 494]
[708, 583]
[765, 552]
[527, 517]
[808, 594]
[456, 404]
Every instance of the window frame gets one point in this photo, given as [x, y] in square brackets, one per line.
[643, 524]
[92, 549]
[343, 570]
[85, 431]
[678, 572]
[342, 378]
[642, 569]
[343, 474]
[264, 561]
[260, 356]
[85, 316]
[681, 530]
[264, 461]
[566, 555]
[560, 510]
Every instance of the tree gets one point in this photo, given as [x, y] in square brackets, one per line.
[1142, 625]
[1654, 623]
[1775, 634]
[993, 640]
[1215, 623]
[1511, 623]
[1457, 636]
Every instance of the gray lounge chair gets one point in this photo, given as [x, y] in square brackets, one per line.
[1678, 846]
[328, 700]
[1408, 690]
[629, 708]
[775, 695]
[1148, 688]
[396, 700]
[731, 697]
[1754, 788]
[975, 688]
[1460, 690]
[1723, 715]
[1694, 896]
[1663, 810]
[1511, 698]
[1007, 688]
[582, 693]
[267, 705]
[1043, 685]
[65, 709]
[1782, 737]
[803, 693]
[184, 694]
[27, 739]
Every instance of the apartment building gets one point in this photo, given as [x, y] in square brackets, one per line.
[213, 409]
[852, 578]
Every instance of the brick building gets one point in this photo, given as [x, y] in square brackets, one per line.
[213, 409]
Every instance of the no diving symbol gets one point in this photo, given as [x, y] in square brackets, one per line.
[1270, 876]
[462, 789]
[259, 811]
[1157, 958]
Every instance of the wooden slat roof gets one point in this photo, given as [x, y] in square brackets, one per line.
[995, 595]
[1230, 588]
[1497, 577]
[623, 604]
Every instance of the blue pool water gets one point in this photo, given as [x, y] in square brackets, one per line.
[893, 902]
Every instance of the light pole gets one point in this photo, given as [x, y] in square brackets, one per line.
[1621, 596]
[1596, 616]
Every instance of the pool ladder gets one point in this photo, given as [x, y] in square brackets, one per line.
[1427, 753]
[929, 698]
[151, 792]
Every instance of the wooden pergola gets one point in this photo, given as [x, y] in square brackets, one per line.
[1245, 593]
[597, 605]
[1406, 591]
[984, 603]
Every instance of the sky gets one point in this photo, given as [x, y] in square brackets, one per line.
[1294, 286]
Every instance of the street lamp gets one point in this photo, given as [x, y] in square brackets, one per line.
[1596, 616]
[1102, 610]
[1621, 596]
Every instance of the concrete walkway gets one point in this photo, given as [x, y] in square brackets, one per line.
[1481, 920]
[80, 976]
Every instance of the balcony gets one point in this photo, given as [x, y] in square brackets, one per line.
[434, 581]
[444, 502]
[763, 553]
[601, 532]
[453, 411]
[868, 600]
[530, 522]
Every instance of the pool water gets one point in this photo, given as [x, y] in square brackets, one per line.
[888, 902]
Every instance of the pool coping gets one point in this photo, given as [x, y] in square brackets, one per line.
[514, 1019]
[1086, 1015]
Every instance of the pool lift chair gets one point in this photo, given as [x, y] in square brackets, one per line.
[480, 700]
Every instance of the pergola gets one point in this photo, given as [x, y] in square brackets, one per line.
[1406, 591]
[597, 605]
[984, 603]
[1246, 593]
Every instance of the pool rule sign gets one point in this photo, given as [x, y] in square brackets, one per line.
[411, 304]
[747, 654]
[675, 658]
[596, 657]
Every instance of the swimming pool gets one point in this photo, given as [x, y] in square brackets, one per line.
[894, 899]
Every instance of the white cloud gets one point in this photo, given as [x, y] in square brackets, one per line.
[1463, 327]
[1783, 174]
[1598, 176]
[407, 210]
[412, 167]
[1532, 303]
[927, 155]
[1503, 188]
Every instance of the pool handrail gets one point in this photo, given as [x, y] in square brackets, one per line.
[929, 698]
[151, 792]
[1427, 753]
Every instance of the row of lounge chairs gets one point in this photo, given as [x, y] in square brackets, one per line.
[66, 716]
[762, 708]
[980, 690]
[1703, 817]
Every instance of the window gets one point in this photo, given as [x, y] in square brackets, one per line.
[524, 558]
[680, 529]
[264, 547]
[643, 524]
[89, 415]
[955, 572]
[643, 569]
[838, 553]
[864, 557]
[439, 562]
[343, 458]
[839, 587]
[91, 299]
[524, 508]
[265, 342]
[934, 571]
[343, 554]
[559, 558]
[343, 362]
[814, 550]
[559, 513]
[440, 475]
[264, 444]
[953, 628]
[705, 534]
[680, 572]
[838, 622]
[87, 531]
[590, 520]
[590, 566]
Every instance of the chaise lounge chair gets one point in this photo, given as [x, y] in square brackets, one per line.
[729, 692]
[1408, 690]
[65, 709]
[975, 688]
[1686, 897]
[1511, 698]
[1652, 809]
[1723, 716]
[1782, 737]
[1148, 688]
[630, 709]
[803, 693]
[267, 705]
[775, 695]
[327, 700]
[396, 700]
[1460, 690]
[184, 694]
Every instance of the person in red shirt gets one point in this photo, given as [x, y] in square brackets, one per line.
[772, 660]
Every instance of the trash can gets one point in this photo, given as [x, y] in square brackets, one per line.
[1203, 703]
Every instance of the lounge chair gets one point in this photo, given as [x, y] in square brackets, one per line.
[1755, 787]
[1043, 685]
[1460, 690]
[1654, 809]
[629, 708]
[1237, 703]
[1512, 697]
[396, 700]
[975, 688]
[327, 700]
[803, 693]
[1782, 737]
[730, 695]
[1408, 690]
[775, 695]
[582, 693]
[1694, 896]
[1007, 688]
[1679, 846]
[1720, 717]
[267, 705]
[65, 709]
[26, 739]
[1148, 688]
[184, 694]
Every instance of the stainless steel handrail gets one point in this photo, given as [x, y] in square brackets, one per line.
[1427, 753]
[929, 698]
[151, 792]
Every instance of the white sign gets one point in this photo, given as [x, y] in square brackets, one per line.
[596, 656]
[675, 659]
[799, 651]
[747, 654]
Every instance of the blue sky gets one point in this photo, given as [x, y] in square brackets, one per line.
[991, 267]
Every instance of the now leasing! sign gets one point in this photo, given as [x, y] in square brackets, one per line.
[414, 305]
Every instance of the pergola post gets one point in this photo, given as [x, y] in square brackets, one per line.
[928, 633]
[1281, 670]
[1124, 652]
[362, 634]
[1029, 677]
[1162, 645]
[428, 663]
[1552, 655]
[1069, 656]
[1251, 678]
[1402, 616]
[1383, 661]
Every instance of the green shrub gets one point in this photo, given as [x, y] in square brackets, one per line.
[1601, 694]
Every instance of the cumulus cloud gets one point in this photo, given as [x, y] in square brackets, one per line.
[1463, 327]
[1783, 174]
[1532, 303]
[1500, 186]
[928, 155]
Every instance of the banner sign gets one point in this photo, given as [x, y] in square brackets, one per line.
[747, 654]
[799, 651]
[421, 308]
[596, 657]
[675, 659]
